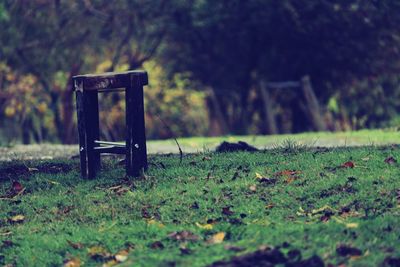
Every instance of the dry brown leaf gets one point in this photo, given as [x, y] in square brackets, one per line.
[348, 164]
[17, 187]
[74, 245]
[288, 173]
[74, 262]
[269, 206]
[390, 160]
[98, 252]
[183, 236]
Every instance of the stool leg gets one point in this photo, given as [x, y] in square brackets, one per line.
[81, 132]
[92, 131]
[94, 125]
[136, 153]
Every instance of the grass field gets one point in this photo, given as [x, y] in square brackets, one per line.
[310, 139]
[292, 205]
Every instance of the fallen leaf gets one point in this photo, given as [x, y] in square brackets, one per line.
[218, 238]
[269, 206]
[390, 160]
[287, 173]
[33, 169]
[207, 226]
[301, 212]
[157, 245]
[17, 219]
[17, 187]
[145, 213]
[122, 255]
[99, 253]
[323, 209]
[195, 205]
[325, 218]
[110, 263]
[259, 176]
[156, 223]
[344, 250]
[227, 211]
[74, 245]
[183, 236]
[74, 262]
[185, 251]
[351, 225]
[264, 247]
[290, 180]
[268, 181]
[348, 164]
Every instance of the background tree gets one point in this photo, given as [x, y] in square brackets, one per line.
[55, 39]
[230, 45]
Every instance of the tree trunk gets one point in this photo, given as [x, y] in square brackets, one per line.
[269, 116]
[68, 136]
[314, 108]
[241, 116]
[217, 120]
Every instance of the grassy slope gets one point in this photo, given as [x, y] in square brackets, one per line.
[61, 207]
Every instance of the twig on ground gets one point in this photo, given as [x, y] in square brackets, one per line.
[172, 134]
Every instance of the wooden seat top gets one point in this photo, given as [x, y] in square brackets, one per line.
[110, 80]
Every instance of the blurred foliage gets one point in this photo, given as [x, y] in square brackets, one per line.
[230, 45]
[24, 104]
[173, 108]
[373, 102]
[205, 60]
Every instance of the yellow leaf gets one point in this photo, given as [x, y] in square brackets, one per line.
[351, 225]
[207, 226]
[154, 222]
[322, 210]
[218, 238]
[253, 188]
[122, 255]
[17, 218]
[74, 262]
[110, 263]
[259, 176]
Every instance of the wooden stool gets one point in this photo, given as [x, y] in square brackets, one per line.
[87, 88]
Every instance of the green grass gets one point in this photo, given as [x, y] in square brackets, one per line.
[315, 210]
[325, 139]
